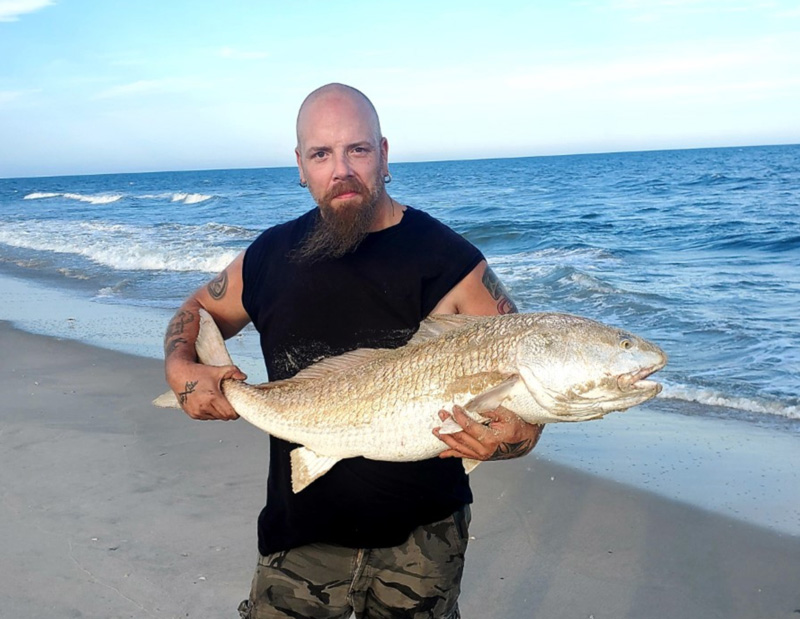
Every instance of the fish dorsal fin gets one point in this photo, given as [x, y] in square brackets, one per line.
[439, 324]
[339, 363]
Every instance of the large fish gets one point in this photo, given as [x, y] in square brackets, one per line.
[383, 404]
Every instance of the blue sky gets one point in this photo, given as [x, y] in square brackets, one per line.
[119, 85]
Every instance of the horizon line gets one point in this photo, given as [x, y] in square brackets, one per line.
[282, 167]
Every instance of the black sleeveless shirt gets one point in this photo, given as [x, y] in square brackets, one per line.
[374, 297]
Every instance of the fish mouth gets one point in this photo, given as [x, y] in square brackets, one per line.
[635, 381]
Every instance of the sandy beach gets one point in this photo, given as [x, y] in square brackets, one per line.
[113, 508]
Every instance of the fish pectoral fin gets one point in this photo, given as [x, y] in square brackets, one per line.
[307, 466]
[490, 399]
[450, 426]
[167, 400]
[470, 464]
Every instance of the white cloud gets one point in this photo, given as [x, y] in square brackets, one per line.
[237, 54]
[147, 87]
[618, 72]
[10, 10]
[654, 10]
[748, 90]
[8, 95]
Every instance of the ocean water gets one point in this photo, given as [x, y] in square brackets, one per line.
[698, 250]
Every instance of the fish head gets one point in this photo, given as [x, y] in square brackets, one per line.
[579, 369]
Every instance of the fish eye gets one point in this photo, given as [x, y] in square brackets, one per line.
[626, 344]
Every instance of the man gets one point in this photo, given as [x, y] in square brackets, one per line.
[383, 539]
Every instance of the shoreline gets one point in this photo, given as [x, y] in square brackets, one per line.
[673, 448]
[112, 507]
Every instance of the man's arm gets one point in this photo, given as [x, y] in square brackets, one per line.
[196, 385]
[481, 293]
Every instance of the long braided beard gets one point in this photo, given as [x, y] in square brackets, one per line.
[340, 230]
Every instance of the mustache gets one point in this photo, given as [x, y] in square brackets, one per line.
[346, 186]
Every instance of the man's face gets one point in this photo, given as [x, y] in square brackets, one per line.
[341, 155]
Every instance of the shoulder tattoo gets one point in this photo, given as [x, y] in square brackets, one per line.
[499, 293]
[218, 286]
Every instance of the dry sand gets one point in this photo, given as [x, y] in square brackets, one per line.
[112, 508]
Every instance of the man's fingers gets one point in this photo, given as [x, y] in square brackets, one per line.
[224, 410]
[452, 453]
[458, 449]
[464, 444]
[203, 398]
[234, 373]
[472, 428]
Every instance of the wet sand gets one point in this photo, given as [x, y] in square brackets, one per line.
[112, 508]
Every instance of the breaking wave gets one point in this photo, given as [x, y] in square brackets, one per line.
[710, 397]
[91, 199]
[205, 248]
[183, 197]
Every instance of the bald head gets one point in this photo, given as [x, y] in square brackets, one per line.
[333, 97]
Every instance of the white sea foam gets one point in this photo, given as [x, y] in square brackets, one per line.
[190, 198]
[587, 258]
[521, 268]
[40, 195]
[91, 199]
[125, 247]
[111, 291]
[587, 282]
[709, 397]
[108, 198]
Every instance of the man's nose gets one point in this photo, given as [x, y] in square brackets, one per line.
[342, 168]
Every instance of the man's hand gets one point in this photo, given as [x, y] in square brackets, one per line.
[507, 436]
[198, 389]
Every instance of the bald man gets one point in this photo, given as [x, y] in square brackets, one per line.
[360, 270]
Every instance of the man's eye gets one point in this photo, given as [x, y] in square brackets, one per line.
[318, 155]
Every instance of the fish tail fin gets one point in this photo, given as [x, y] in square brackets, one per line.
[210, 345]
[211, 350]
[167, 400]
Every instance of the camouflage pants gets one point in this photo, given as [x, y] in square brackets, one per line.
[418, 579]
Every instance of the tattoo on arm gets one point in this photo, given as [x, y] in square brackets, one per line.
[178, 322]
[499, 293]
[171, 345]
[189, 388]
[218, 286]
[506, 451]
[175, 330]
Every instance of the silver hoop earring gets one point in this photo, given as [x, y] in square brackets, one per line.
[387, 178]
[303, 184]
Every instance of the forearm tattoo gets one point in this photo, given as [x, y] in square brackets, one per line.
[189, 388]
[507, 451]
[175, 330]
[218, 286]
[171, 345]
[499, 293]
